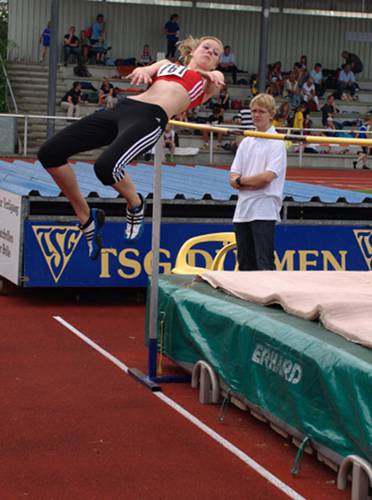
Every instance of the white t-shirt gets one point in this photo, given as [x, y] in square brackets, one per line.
[255, 156]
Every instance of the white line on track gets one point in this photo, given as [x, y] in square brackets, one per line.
[191, 418]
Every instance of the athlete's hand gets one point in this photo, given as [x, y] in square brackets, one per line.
[140, 76]
[215, 77]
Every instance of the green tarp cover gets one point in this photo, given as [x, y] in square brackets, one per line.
[310, 378]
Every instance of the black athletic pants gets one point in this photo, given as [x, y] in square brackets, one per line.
[255, 243]
[131, 128]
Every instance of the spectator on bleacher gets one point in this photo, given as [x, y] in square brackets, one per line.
[145, 58]
[245, 118]
[215, 119]
[223, 98]
[299, 117]
[303, 62]
[317, 76]
[346, 84]
[281, 117]
[44, 41]
[71, 46]
[259, 185]
[300, 73]
[107, 95]
[354, 61]
[309, 95]
[84, 45]
[72, 99]
[228, 63]
[292, 90]
[172, 30]
[362, 156]
[169, 140]
[275, 79]
[329, 109]
[98, 30]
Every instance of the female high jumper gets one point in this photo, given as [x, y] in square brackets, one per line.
[130, 129]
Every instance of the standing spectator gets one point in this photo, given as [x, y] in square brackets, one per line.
[71, 46]
[317, 76]
[228, 63]
[292, 90]
[71, 100]
[107, 94]
[98, 30]
[354, 61]
[346, 81]
[44, 41]
[309, 94]
[145, 58]
[299, 117]
[258, 173]
[172, 30]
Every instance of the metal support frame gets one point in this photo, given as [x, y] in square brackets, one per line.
[151, 380]
[361, 477]
[204, 377]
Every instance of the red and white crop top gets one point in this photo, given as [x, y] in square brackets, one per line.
[191, 80]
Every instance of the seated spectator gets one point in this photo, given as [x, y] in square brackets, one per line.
[317, 76]
[216, 118]
[223, 99]
[228, 63]
[301, 73]
[71, 46]
[145, 58]
[309, 94]
[329, 109]
[72, 99]
[353, 61]
[245, 118]
[84, 45]
[292, 90]
[281, 117]
[100, 50]
[169, 140]
[303, 62]
[346, 81]
[107, 95]
[275, 79]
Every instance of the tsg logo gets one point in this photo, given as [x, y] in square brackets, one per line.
[57, 244]
[364, 239]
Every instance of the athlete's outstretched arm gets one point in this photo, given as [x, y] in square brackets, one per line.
[144, 74]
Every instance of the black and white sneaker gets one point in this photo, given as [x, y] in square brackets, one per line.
[92, 230]
[135, 221]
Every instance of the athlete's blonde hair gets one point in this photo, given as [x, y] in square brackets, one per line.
[190, 43]
[266, 101]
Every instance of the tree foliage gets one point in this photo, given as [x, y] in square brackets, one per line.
[3, 51]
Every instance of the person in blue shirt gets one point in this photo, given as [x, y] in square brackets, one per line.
[44, 41]
[98, 30]
[172, 31]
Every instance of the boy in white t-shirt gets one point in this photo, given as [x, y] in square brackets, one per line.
[258, 173]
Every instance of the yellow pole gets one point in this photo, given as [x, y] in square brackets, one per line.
[313, 139]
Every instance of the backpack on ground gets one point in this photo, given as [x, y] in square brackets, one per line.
[82, 71]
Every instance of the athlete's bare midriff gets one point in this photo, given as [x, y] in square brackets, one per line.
[171, 96]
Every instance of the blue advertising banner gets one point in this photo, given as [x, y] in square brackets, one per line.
[55, 255]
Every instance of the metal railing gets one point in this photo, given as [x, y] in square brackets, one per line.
[288, 130]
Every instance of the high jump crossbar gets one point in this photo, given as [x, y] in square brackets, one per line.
[152, 380]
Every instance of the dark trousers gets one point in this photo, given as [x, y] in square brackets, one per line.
[171, 48]
[231, 69]
[255, 243]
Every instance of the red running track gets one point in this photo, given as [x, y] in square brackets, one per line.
[75, 426]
